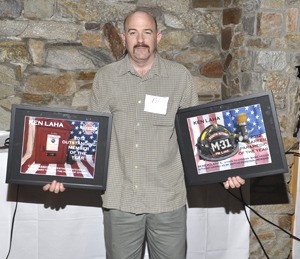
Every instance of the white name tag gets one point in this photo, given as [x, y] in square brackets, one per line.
[156, 104]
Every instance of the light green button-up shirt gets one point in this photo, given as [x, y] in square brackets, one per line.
[145, 173]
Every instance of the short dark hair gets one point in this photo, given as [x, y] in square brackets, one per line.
[140, 10]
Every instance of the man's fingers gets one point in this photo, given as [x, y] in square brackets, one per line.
[57, 188]
[61, 187]
[226, 184]
[234, 182]
[240, 180]
[46, 187]
[53, 186]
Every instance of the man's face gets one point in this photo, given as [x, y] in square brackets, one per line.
[140, 36]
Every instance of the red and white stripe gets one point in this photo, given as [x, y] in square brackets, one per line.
[82, 168]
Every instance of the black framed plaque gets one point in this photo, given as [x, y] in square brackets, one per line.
[235, 137]
[49, 144]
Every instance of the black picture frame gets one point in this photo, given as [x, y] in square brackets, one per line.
[65, 145]
[232, 146]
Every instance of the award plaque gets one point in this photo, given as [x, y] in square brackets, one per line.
[235, 137]
[49, 144]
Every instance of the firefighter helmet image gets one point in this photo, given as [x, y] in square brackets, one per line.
[216, 143]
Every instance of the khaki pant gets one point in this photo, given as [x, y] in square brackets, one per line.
[126, 233]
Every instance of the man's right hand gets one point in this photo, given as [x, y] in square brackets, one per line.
[55, 187]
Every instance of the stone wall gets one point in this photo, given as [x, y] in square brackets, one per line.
[51, 49]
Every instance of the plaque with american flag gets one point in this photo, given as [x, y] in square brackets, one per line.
[235, 137]
[251, 144]
[65, 145]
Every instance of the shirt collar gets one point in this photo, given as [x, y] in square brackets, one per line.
[158, 67]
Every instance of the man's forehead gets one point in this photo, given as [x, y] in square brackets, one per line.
[137, 17]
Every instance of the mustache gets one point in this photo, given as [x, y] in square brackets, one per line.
[141, 45]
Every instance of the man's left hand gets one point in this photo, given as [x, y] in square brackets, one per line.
[234, 182]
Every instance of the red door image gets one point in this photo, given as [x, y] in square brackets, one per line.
[51, 143]
[50, 147]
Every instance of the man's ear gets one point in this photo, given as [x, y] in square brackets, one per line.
[123, 38]
[158, 37]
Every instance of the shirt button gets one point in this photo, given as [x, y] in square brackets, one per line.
[136, 145]
[135, 166]
[139, 101]
[136, 187]
[138, 124]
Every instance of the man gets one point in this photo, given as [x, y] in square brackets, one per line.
[145, 196]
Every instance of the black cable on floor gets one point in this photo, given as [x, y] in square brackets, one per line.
[252, 229]
[259, 215]
[13, 222]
